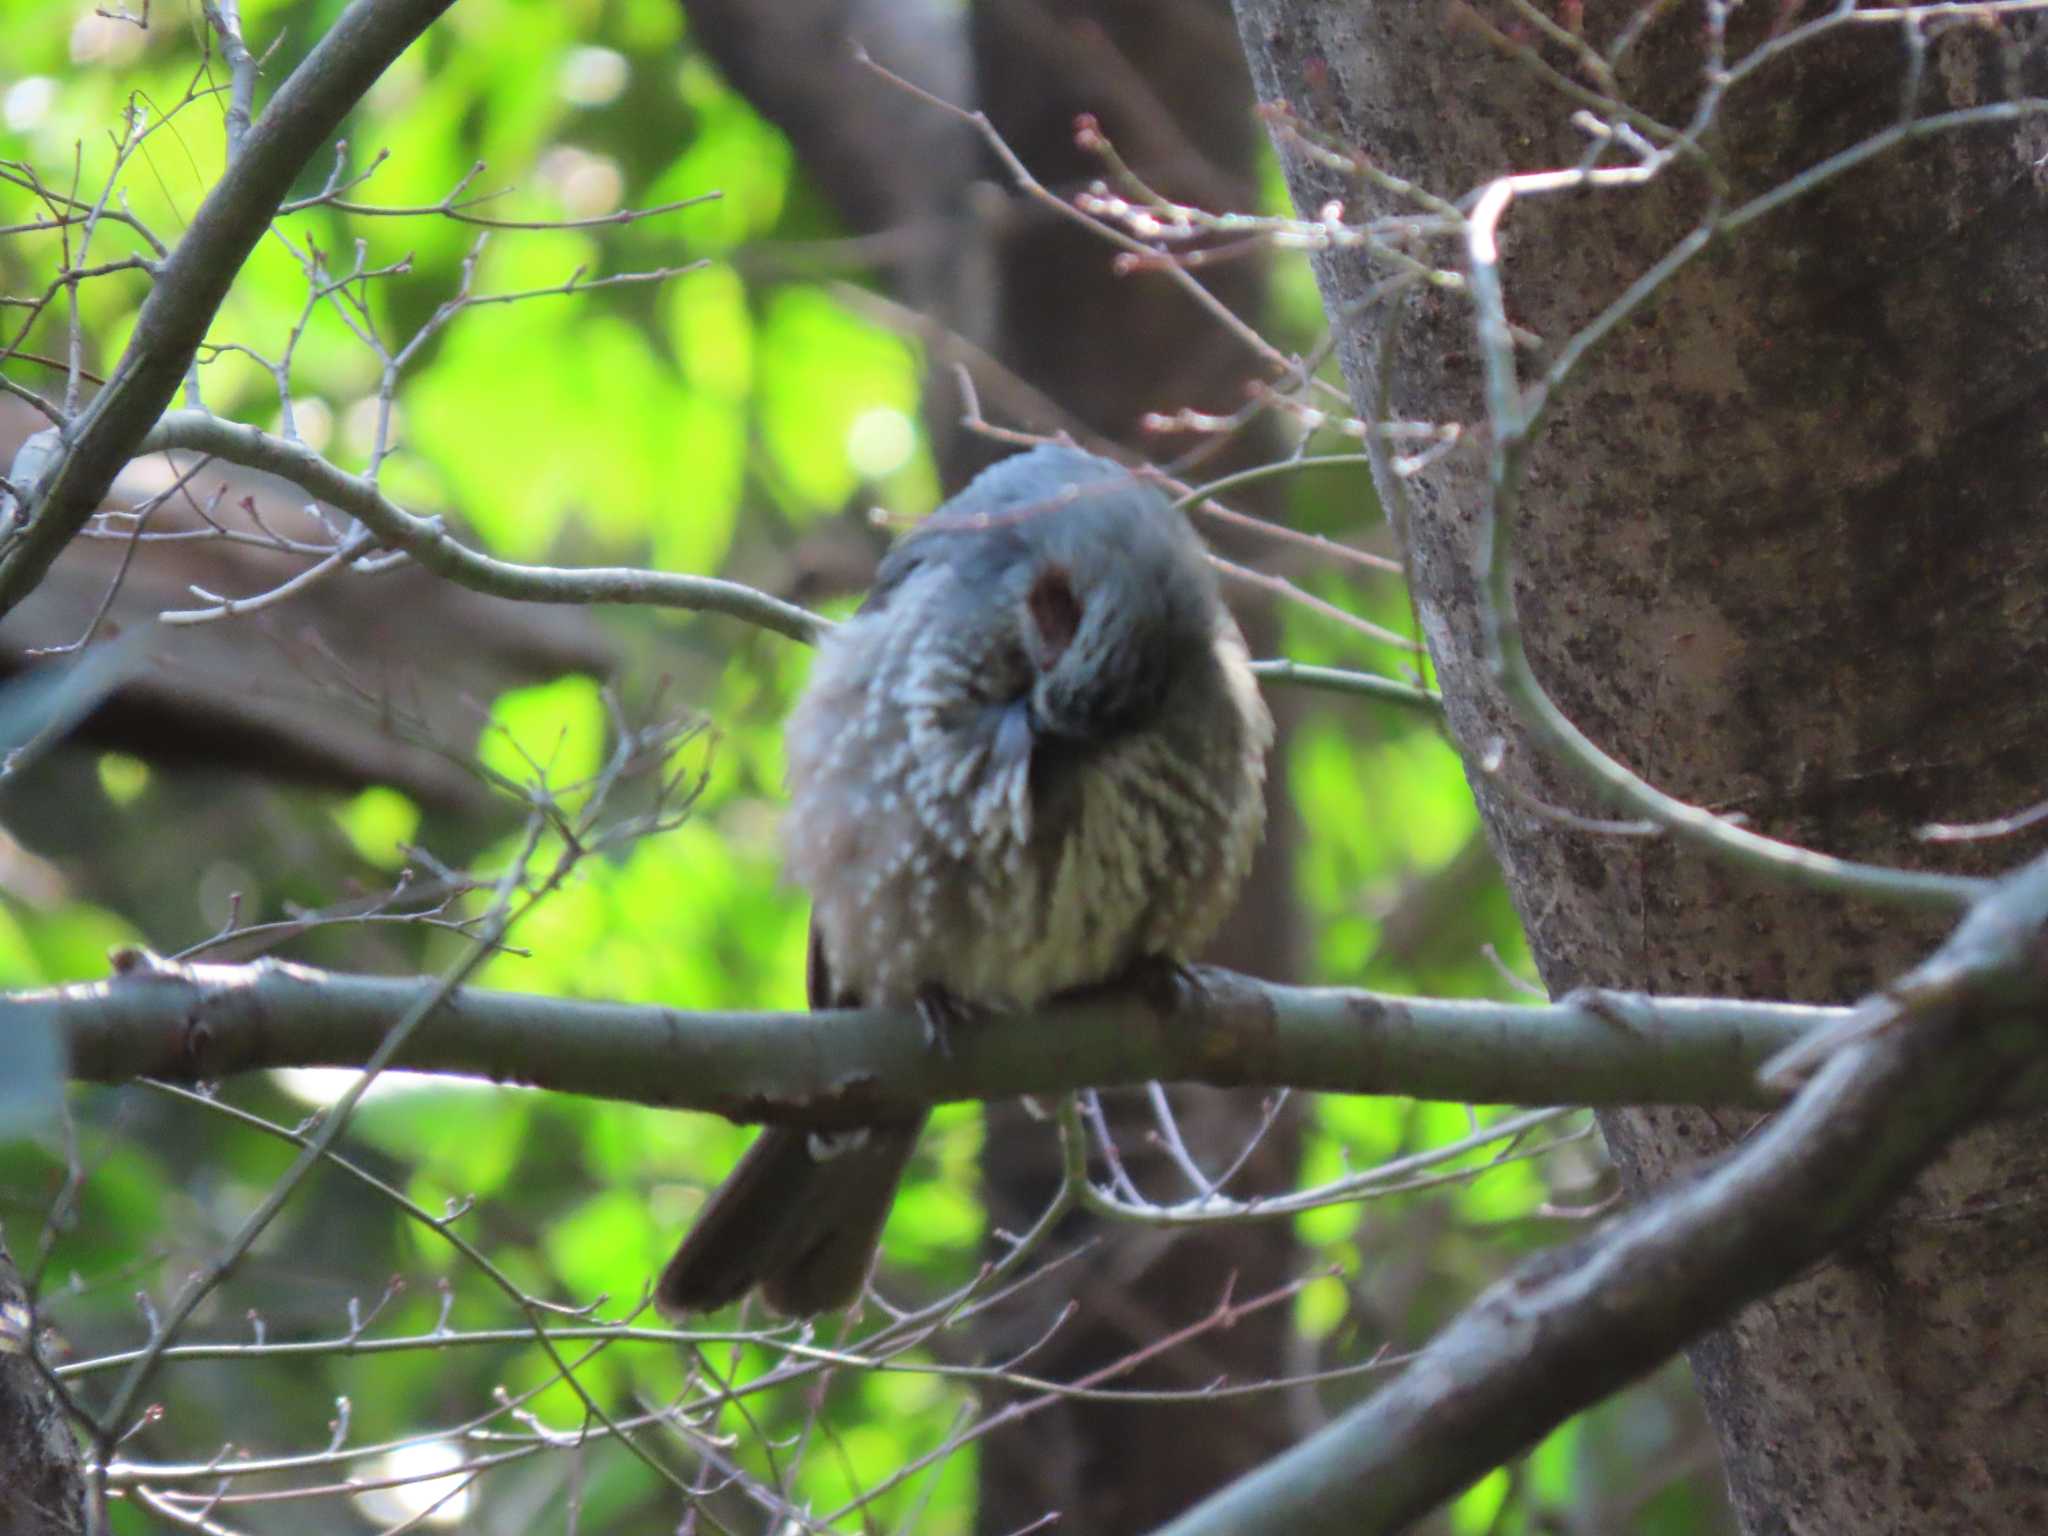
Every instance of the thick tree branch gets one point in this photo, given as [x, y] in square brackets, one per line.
[194, 279]
[1935, 1051]
[43, 1489]
[204, 1022]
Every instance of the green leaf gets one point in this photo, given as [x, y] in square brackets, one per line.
[734, 153]
[822, 369]
[692, 526]
[554, 729]
[18, 964]
[714, 334]
[377, 821]
[122, 778]
[604, 1246]
[1321, 1306]
[466, 1136]
[1476, 1509]
[72, 943]
[1553, 1465]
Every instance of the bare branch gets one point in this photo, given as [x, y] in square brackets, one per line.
[225, 17]
[1336, 680]
[428, 541]
[194, 280]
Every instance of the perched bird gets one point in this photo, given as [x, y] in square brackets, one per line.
[1031, 762]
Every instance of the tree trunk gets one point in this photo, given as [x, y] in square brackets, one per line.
[1782, 551]
[42, 1475]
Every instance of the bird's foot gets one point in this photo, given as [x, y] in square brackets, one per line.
[1165, 983]
[943, 1016]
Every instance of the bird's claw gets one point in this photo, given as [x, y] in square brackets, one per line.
[1165, 983]
[942, 1015]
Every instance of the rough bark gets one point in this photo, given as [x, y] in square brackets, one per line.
[42, 1475]
[1781, 551]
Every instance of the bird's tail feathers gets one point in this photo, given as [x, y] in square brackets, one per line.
[799, 1216]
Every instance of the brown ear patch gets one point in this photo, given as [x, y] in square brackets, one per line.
[1055, 611]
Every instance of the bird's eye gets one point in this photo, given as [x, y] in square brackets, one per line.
[1055, 613]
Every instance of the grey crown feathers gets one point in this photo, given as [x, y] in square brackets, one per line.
[1032, 761]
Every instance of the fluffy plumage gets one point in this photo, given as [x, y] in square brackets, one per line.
[1033, 760]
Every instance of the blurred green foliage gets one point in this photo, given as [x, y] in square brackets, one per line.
[705, 423]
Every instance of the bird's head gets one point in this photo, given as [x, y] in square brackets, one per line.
[1096, 598]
